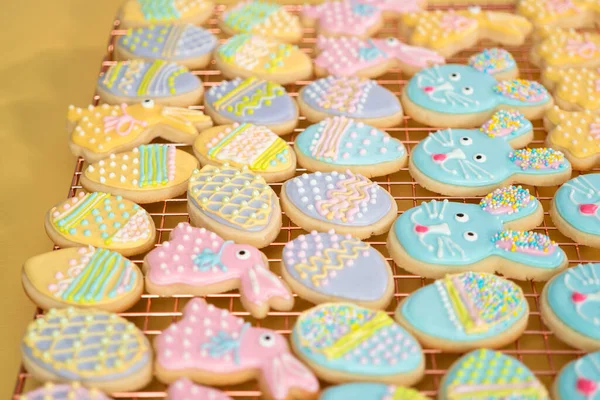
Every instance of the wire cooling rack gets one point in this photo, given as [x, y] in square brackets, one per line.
[537, 348]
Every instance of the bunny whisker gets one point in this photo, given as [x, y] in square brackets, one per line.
[476, 169]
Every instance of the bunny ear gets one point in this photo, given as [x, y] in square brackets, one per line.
[521, 93]
[510, 204]
[261, 288]
[284, 373]
[508, 125]
[540, 163]
[528, 248]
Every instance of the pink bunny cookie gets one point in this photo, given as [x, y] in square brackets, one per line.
[213, 347]
[184, 389]
[369, 58]
[199, 262]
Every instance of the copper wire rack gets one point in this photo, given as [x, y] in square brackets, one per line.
[537, 348]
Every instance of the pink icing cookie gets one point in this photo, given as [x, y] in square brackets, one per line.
[184, 389]
[212, 346]
[200, 262]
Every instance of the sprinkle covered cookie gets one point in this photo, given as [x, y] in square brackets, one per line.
[139, 13]
[371, 391]
[497, 62]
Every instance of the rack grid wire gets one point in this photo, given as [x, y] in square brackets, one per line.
[537, 347]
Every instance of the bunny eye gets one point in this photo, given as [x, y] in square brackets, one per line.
[470, 236]
[148, 103]
[454, 76]
[466, 141]
[242, 254]
[266, 340]
[392, 41]
[461, 217]
[468, 90]
[480, 157]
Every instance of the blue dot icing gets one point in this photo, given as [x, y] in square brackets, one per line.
[125, 214]
[370, 391]
[87, 232]
[102, 227]
[121, 206]
[107, 208]
[84, 222]
[572, 296]
[580, 379]
[98, 218]
[117, 224]
[577, 203]
[72, 231]
[111, 214]
[345, 142]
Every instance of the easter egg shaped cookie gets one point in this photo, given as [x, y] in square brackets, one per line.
[255, 147]
[236, 204]
[344, 342]
[84, 277]
[252, 100]
[188, 45]
[340, 144]
[164, 82]
[579, 379]
[53, 391]
[247, 55]
[323, 267]
[97, 348]
[101, 220]
[147, 174]
[137, 13]
[370, 391]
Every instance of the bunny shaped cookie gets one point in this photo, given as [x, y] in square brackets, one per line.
[460, 96]
[442, 237]
[471, 162]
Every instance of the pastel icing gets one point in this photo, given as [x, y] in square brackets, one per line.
[580, 379]
[62, 391]
[168, 42]
[138, 79]
[156, 11]
[252, 100]
[346, 56]
[493, 61]
[102, 220]
[344, 199]
[183, 389]
[465, 307]
[239, 199]
[351, 97]
[261, 18]
[345, 142]
[566, 48]
[458, 234]
[577, 202]
[507, 123]
[579, 87]
[215, 341]
[573, 296]
[491, 375]
[577, 133]
[337, 265]
[86, 345]
[462, 89]
[370, 391]
[552, 12]
[346, 338]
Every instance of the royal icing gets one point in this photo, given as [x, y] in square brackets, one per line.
[138, 79]
[102, 220]
[58, 391]
[506, 123]
[552, 12]
[344, 142]
[352, 97]
[462, 89]
[493, 61]
[577, 202]
[567, 48]
[580, 379]
[491, 375]
[465, 307]
[239, 199]
[575, 133]
[342, 199]
[346, 338]
[347, 56]
[89, 346]
[144, 12]
[184, 389]
[371, 391]
[262, 18]
[215, 341]
[252, 100]
[339, 266]
[576, 87]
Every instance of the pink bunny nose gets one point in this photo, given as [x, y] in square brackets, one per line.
[588, 208]
[421, 228]
[578, 297]
[428, 89]
[439, 157]
[586, 386]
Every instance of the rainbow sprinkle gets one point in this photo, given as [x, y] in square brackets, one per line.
[524, 242]
[539, 158]
[503, 123]
[492, 60]
[507, 200]
[522, 90]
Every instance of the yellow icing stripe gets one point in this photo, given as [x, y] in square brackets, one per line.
[353, 339]
[262, 162]
[459, 307]
[111, 76]
[222, 102]
[148, 77]
[215, 150]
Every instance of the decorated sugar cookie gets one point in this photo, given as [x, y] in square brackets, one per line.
[359, 98]
[54, 391]
[497, 62]
[560, 13]
[97, 348]
[347, 203]
[467, 162]
[461, 96]
[84, 277]
[465, 311]
[183, 389]
[247, 55]
[236, 204]
[489, 374]
[343, 342]
[210, 346]
[252, 100]
[579, 379]
[371, 391]
[340, 144]
[146, 174]
[566, 48]
[97, 132]
[261, 18]
[198, 262]
[324, 267]
[101, 220]
[187, 44]
[574, 89]
[570, 306]
[164, 82]
[139, 13]
[361, 18]
[369, 58]
[443, 237]
[574, 209]
[450, 31]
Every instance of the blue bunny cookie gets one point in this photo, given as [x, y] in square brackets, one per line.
[441, 237]
[370, 391]
[570, 306]
[466, 311]
[579, 379]
[471, 162]
[462, 96]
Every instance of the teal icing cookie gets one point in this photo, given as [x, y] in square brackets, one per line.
[579, 379]
[370, 391]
